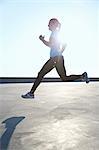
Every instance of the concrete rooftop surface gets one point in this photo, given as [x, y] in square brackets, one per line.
[62, 116]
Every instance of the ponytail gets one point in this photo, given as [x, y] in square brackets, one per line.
[59, 25]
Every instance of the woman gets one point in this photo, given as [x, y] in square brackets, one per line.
[56, 59]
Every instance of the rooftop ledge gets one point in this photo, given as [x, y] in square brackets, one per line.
[32, 79]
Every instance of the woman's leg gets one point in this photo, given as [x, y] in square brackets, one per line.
[48, 66]
[60, 67]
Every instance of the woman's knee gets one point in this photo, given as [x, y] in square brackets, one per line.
[63, 78]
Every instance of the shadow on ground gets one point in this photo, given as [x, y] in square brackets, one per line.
[10, 125]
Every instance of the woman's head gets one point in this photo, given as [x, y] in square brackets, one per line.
[54, 24]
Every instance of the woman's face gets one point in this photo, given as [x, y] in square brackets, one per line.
[52, 25]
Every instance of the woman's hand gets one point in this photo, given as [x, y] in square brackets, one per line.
[41, 37]
[47, 43]
[63, 47]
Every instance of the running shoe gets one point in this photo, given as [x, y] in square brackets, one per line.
[28, 95]
[85, 77]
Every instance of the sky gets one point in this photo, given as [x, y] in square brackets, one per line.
[22, 54]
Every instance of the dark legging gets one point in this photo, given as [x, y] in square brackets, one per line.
[58, 63]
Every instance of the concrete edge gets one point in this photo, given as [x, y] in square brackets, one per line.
[32, 79]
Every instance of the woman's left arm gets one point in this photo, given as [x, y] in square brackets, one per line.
[47, 43]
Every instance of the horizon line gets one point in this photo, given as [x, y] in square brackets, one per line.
[32, 79]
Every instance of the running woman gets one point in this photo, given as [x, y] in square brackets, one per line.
[56, 59]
